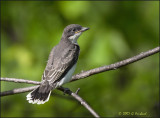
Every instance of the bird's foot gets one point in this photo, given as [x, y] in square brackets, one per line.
[66, 90]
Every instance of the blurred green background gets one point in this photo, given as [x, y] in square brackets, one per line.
[118, 30]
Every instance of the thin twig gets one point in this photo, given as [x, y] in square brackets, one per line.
[114, 66]
[18, 90]
[77, 90]
[19, 80]
[78, 98]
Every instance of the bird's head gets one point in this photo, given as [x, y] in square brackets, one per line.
[73, 31]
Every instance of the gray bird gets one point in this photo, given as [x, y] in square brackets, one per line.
[60, 66]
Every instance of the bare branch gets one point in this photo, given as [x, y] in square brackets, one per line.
[18, 90]
[69, 92]
[114, 66]
[19, 80]
[78, 98]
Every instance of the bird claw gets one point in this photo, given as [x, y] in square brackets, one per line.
[66, 90]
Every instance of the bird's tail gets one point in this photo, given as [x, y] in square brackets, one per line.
[41, 94]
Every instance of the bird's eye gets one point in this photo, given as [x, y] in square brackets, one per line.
[73, 30]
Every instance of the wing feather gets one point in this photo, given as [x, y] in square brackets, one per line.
[58, 66]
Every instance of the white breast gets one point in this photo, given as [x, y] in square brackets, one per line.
[67, 77]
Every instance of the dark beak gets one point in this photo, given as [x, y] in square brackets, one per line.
[84, 29]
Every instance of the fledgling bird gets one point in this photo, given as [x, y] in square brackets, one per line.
[60, 66]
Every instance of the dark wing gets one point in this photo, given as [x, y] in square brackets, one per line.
[49, 64]
[60, 64]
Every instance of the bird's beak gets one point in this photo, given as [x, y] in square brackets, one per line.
[84, 29]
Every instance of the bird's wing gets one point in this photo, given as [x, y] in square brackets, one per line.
[58, 66]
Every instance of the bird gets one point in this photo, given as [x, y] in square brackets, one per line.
[60, 66]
